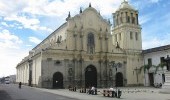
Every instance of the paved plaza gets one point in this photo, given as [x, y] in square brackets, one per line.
[128, 93]
[12, 92]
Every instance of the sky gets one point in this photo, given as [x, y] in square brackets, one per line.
[25, 23]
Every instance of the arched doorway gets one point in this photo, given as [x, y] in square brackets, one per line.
[151, 79]
[57, 80]
[90, 76]
[119, 79]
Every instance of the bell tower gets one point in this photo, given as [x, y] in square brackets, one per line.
[126, 29]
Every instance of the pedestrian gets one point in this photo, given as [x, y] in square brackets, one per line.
[20, 85]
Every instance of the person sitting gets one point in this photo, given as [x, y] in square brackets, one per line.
[111, 89]
[92, 90]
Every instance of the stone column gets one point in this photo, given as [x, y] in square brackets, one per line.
[66, 78]
[81, 36]
[100, 77]
[105, 73]
[75, 41]
[107, 42]
[75, 72]
[80, 72]
[100, 37]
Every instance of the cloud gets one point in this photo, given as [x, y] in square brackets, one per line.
[156, 42]
[11, 52]
[142, 4]
[60, 8]
[4, 24]
[8, 40]
[28, 14]
[154, 1]
[34, 40]
[9, 59]
[144, 19]
[30, 23]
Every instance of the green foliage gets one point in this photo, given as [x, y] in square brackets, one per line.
[144, 67]
[161, 65]
[147, 67]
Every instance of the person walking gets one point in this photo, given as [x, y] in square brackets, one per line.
[20, 85]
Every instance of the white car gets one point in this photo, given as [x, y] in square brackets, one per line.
[7, 82]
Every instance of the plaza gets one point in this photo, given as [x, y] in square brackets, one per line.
[128, 93]
[33, 93]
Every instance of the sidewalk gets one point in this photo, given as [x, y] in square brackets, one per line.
[128, 93]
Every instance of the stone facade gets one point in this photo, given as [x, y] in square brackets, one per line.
[82, 52]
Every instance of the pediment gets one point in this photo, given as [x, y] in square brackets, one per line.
[89, 18]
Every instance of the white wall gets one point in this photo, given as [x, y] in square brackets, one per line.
[155, 56]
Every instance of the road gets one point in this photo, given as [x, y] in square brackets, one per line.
[12, 92]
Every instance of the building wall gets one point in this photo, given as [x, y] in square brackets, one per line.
[22, 73]
[155, 56]
[36, 70]
[49, 68]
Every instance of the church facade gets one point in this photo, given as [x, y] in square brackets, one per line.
[85, 52]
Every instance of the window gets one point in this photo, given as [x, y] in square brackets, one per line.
[121, 18]
[128, 19]
[118, 19]
[90, 43]
[120, 36]
[150, 61]
[136, 35]
[131, 35]
[133, 20]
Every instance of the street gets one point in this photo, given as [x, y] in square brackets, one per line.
[12, 92]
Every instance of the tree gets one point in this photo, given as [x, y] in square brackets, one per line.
[144, 68]
[161, 65]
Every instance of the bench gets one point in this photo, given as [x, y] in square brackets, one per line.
[108, 93]
[82, 90]
[72, 89]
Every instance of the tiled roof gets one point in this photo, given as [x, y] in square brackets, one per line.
[161, 48]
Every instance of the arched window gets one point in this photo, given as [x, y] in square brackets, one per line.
[90, 43]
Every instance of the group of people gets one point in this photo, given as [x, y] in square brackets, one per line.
[92, 90]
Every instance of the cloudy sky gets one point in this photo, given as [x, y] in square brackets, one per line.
[25, 23]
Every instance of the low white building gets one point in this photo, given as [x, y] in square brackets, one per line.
[153, 57]
[12, 78]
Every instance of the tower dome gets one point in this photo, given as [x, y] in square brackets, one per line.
[125, 5]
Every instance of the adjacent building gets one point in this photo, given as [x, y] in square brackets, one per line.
[84, 52]
[154, 57]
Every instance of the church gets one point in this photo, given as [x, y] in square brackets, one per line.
[87, 51]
